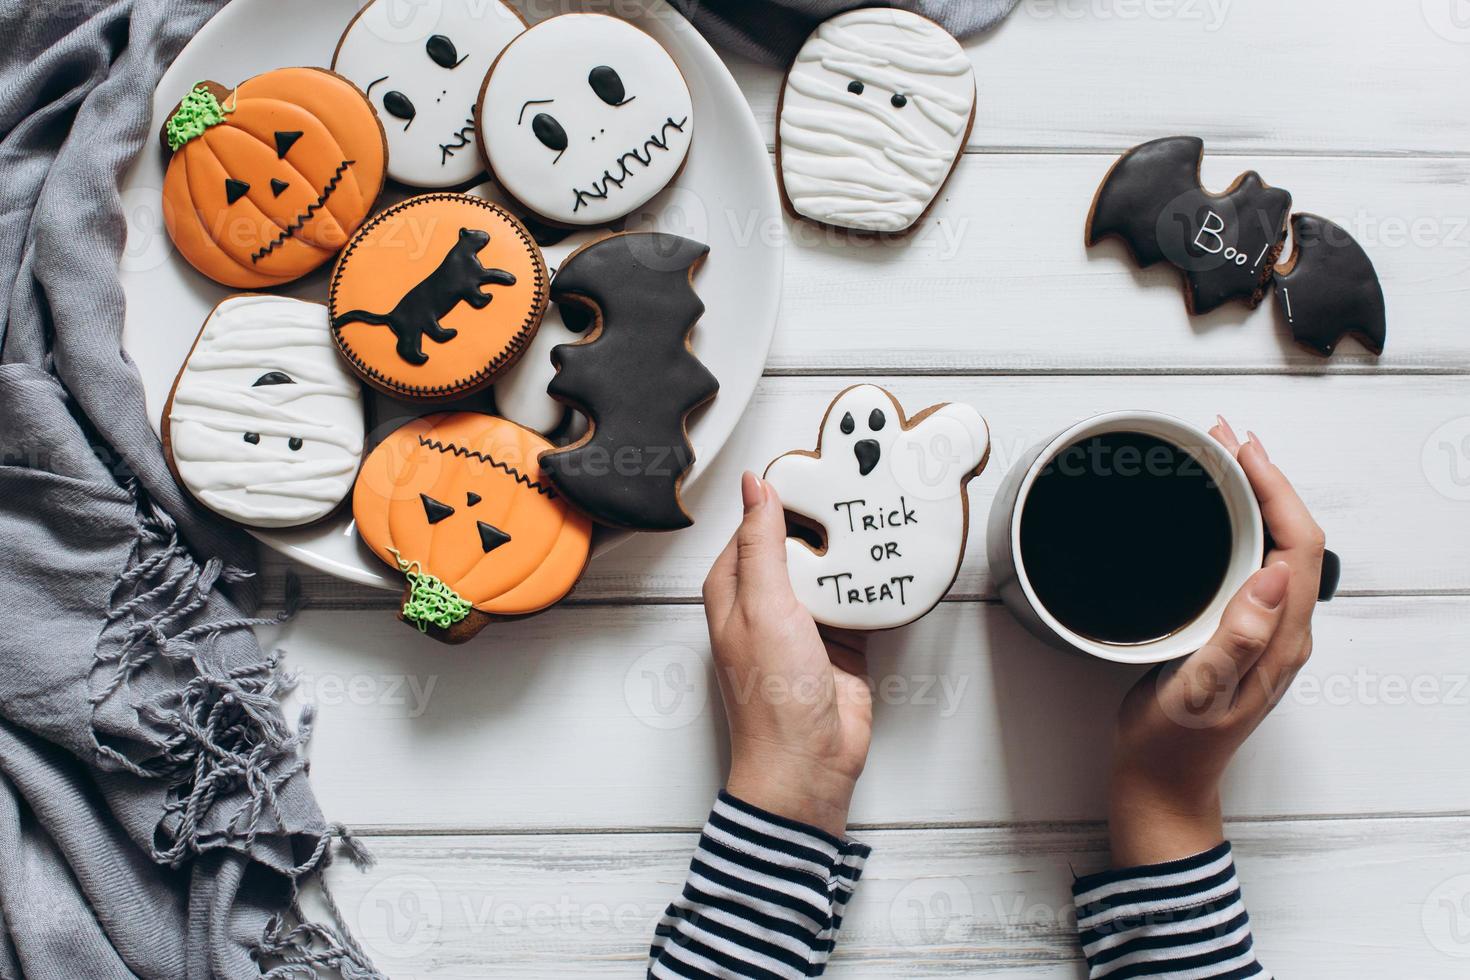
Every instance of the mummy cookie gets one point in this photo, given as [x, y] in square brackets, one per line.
[264, 425]
[422, 74]
[457, 503]
[886, 495]
[1224, 244]
[584, 119]
[521, 394]
[268, 180]
[1328, 288]
[874, 114]
[436, 296]
[634, 377]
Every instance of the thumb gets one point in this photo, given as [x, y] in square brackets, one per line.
[760, 543]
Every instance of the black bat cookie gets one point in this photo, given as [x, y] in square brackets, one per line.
[634, 377]
[1224, 244]
[1329, 289]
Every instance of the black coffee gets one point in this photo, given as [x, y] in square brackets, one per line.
[1125, 538]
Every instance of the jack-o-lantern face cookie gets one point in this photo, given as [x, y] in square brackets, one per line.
[264, 425]
[267, 181]
[457, 502]
[874, 115]
[886, 496]
[584, 118]
[422, 73]
[438, 295]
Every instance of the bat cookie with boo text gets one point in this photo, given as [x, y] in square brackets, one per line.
[1328, 288]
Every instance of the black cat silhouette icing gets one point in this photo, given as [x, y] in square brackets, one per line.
[457, 279]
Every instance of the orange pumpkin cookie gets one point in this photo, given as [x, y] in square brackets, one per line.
[437, 296]
[458, 503]
[267, 181]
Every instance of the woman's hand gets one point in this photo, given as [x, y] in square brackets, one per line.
[797, 701]
[1181, 725]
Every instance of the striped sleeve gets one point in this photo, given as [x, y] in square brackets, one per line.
[1183, 920]
[764, 899]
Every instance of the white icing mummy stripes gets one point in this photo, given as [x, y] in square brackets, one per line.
[263, 481]
[855, 159]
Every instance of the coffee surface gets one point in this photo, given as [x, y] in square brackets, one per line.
[1125, 538]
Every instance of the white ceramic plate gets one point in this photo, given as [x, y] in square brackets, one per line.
[725, 197]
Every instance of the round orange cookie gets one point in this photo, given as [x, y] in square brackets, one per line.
[458, 503]
[268, 180]
[438, 295]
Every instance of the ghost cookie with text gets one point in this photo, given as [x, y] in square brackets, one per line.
[584, 118]
[269, 179]
[634, 376]
[1225, 245]
[459, 505]
[264, 424]
[880, 508]
[436, 296]
[421, 67]
[873, 118]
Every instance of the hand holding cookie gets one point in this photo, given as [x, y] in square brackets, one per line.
[797, 700]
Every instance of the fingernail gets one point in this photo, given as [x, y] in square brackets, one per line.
[1257, 440]
[1268, 588]
[751, 491]
[1226, 427]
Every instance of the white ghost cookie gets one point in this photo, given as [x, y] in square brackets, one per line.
[874, 114]
[264, 425]
[421, 66]
[584, 119]
[888, 495]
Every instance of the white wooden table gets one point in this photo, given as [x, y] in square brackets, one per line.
[532, 798]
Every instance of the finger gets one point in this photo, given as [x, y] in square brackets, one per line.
[1299, 541]
[1225, 435]
[719, 584]
[760, 545]
[1248, 626]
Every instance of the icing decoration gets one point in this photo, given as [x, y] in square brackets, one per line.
[196, 112]
[1224, 244]
[584, 119]
[1328, 288]
[634, 376]
[874, 115]
[265, 425]
[437, 295]
[521, 393]
[273, 188]
[886, 495]
[422, 74]
[514, 548]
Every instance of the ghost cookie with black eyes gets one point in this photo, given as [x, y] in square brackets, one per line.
[883, 506]
[584, 118]
[264, 425]
[873, 116]
[422, 74]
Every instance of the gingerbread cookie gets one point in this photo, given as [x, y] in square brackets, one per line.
[264, 425]
[422, 74]
[635, 377]
[886, 496]
[438, 295]
[268, 180]
[873, 117]
[1329, 289]
[1224, 244]
[584, 118]
[457, 503]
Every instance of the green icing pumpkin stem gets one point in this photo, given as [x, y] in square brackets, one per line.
[198, 111]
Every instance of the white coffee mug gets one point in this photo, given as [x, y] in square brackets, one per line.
[1003, 535]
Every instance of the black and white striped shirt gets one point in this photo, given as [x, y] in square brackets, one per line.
[765, 898]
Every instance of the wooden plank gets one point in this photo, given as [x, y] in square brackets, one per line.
[1250, 76]
[998, 281]
[616, 713]
[1379, 459]
[1348, 899]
